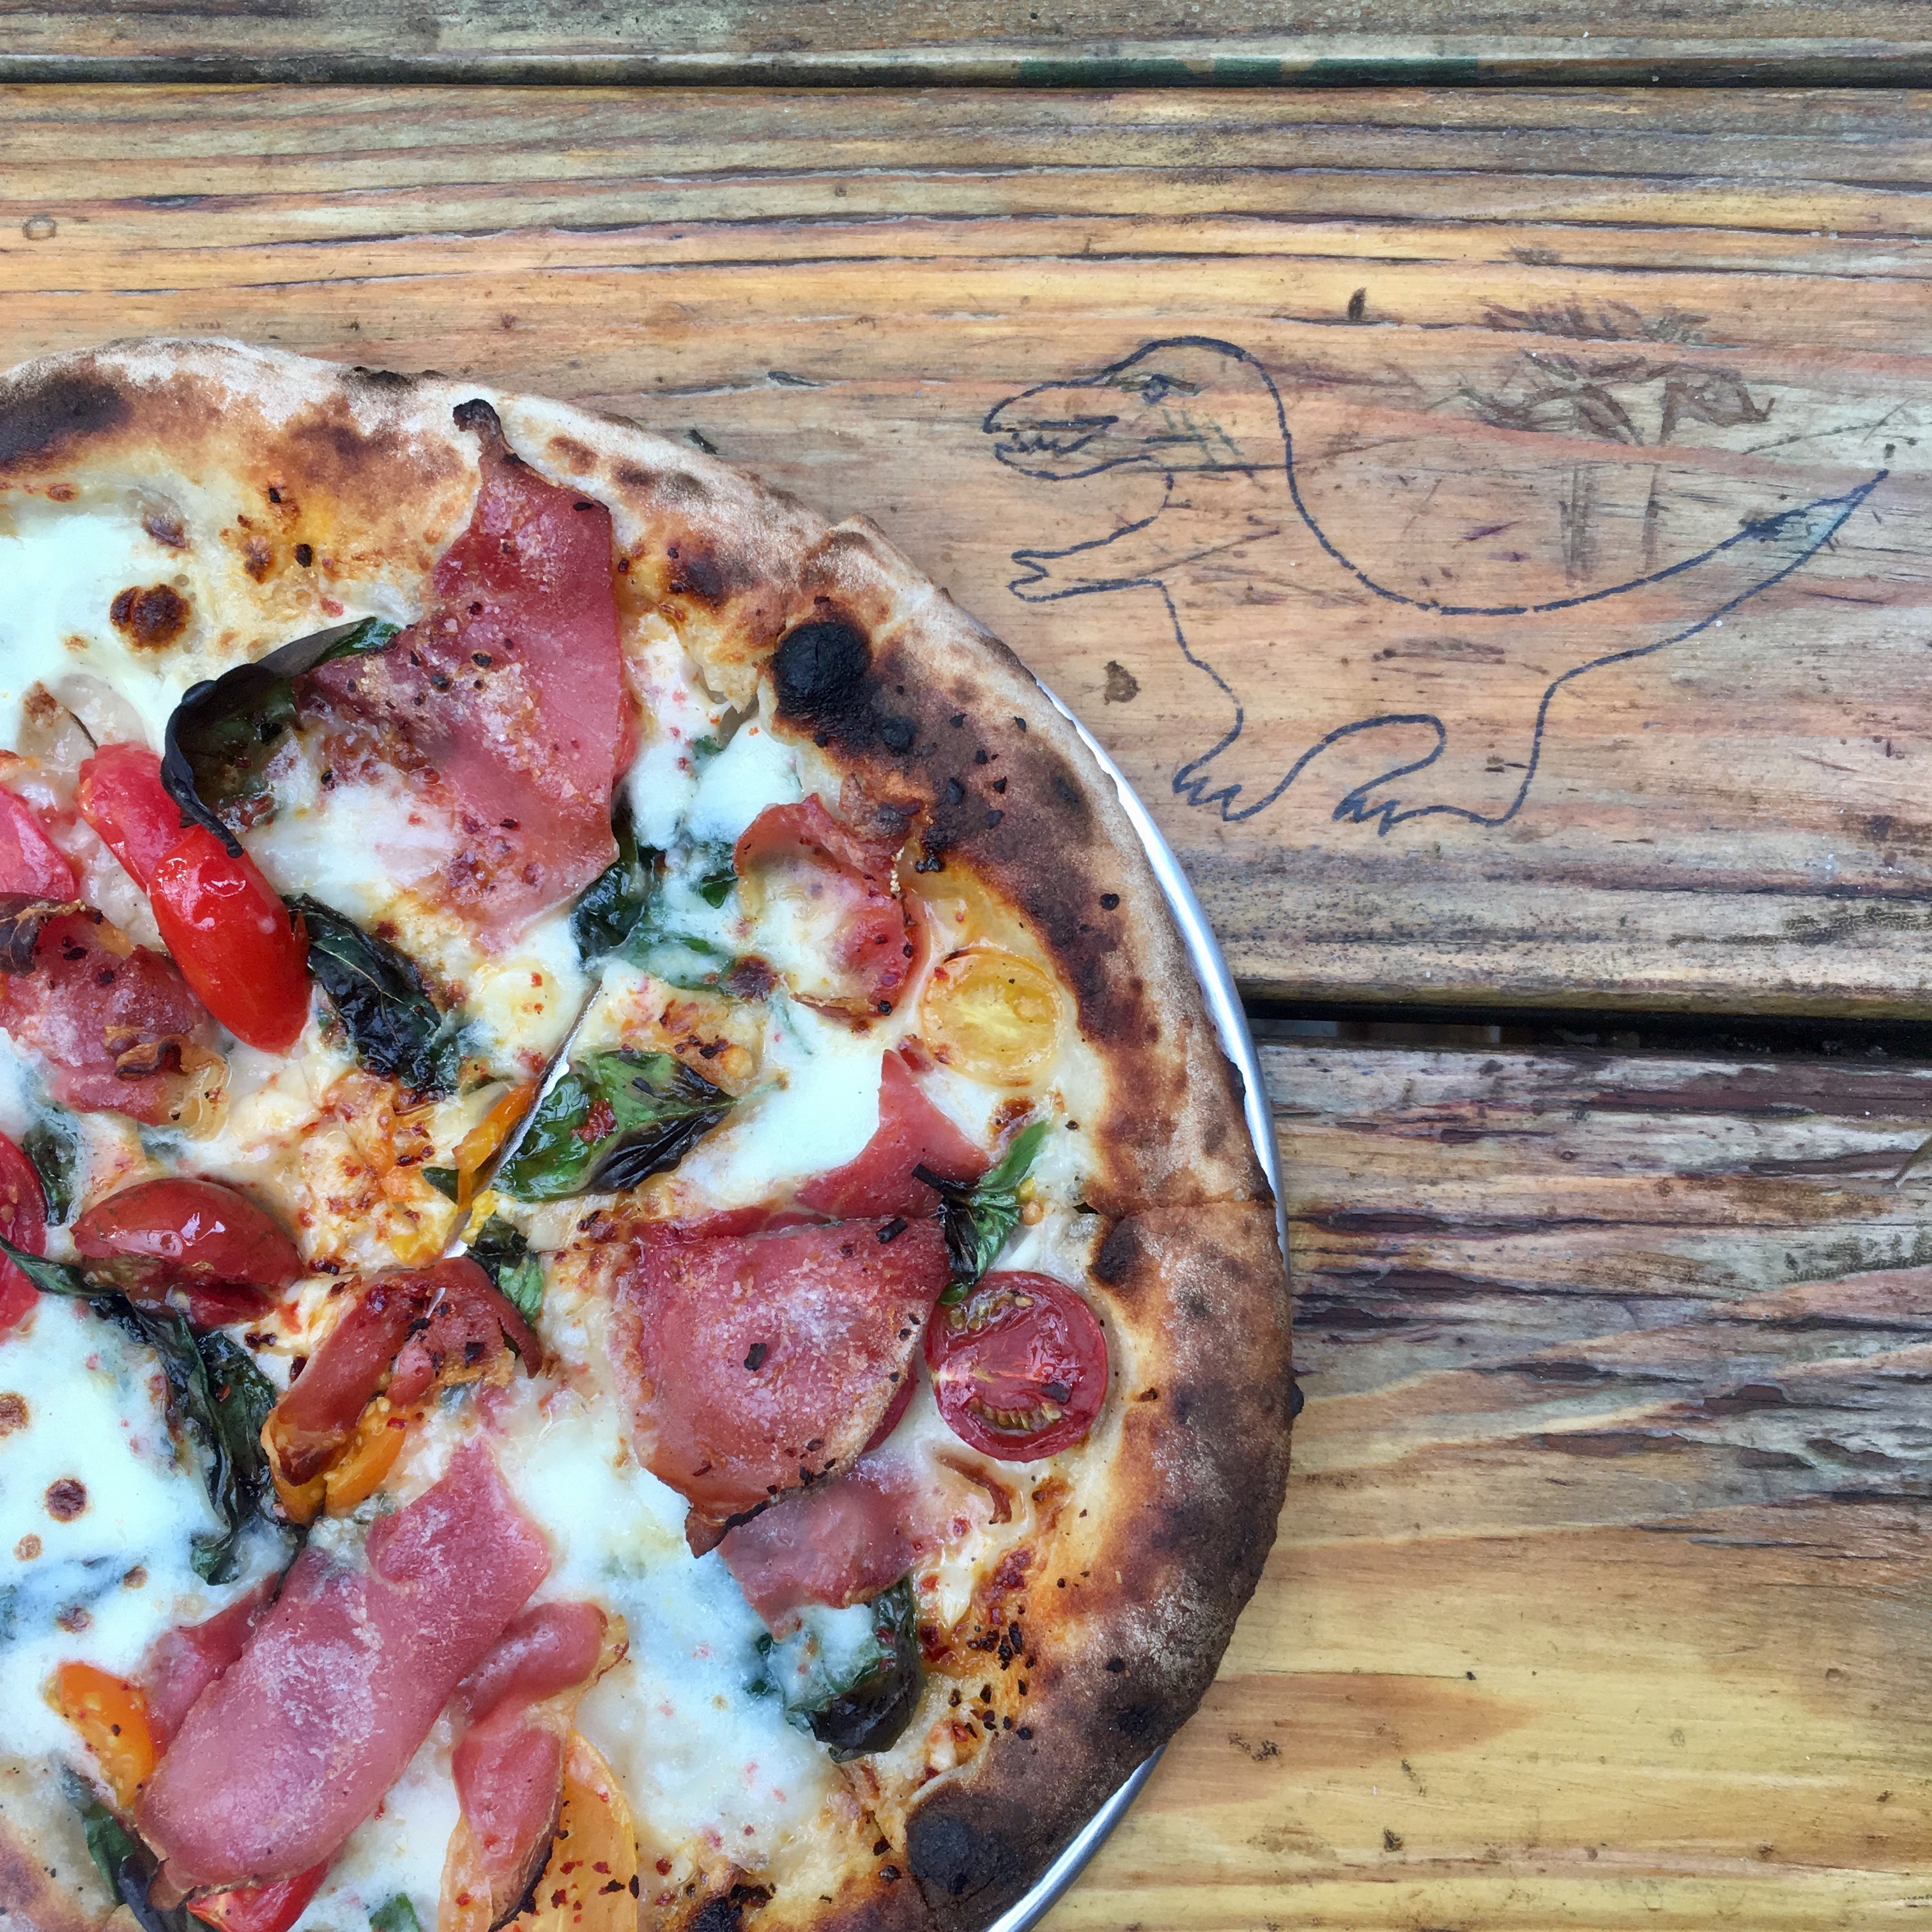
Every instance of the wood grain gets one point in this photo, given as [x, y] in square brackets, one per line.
[1530, 348]
[1075, 43]
[1601, 1598]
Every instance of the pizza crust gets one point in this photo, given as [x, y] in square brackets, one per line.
[921, 709]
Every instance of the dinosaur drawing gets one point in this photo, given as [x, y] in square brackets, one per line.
[1461, 690]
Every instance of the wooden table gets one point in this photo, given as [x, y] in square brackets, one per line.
[1590, 675]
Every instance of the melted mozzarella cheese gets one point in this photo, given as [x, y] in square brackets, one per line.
[756, 770]
[816, 1106]
[368, 851]
[99, 1586]
[399, 1852]
[63, 565]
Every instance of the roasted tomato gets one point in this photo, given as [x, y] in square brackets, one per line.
[121, 795]
[1019, 1367]
[992, 1015]
[30, 862]
[111, 1714]
[260, 1908]
[237, 945]
[171, 1233]
[23, 1220]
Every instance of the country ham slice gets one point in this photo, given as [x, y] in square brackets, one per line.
[849, 949]
[111, 1022]
[912, 1133]
[752, 1364]
[842, 1542]
[30, 862]
[295, 1744]
[420, 1322]
[182, 1663]
[509, 1765]
[507, 701]
[547, 1649]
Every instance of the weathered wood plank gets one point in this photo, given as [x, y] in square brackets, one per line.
[1529, 349]
[1081, 43]
[1602, 1594]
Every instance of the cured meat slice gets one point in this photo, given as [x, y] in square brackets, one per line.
[295, 1744]
[844, 1541]
[508, 698]
[182, 1663]
[848, 948]
[912, 1133]
[752, 1364]
[547, 1649]
[30, 862]
[421, 1322]
[509, 1765]
[114, 1025]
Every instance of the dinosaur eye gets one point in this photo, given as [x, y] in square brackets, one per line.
[1155, 389]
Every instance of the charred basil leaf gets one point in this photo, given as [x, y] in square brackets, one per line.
[52, 1144]
[854, 1691]
[379, 996]
[22, 917]
[612, 1120]
[978, 1215]
[218, 1401]
[225, 729]
[126, 1865]
[49, 1277]
[501, 1251]
[615, 900]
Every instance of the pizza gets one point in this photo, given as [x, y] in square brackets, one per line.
[633, 1288]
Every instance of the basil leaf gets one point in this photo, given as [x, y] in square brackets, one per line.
[395, 1915]
[442, 1179]
[239, 1484]
[614, 902]
[713, 884]
[379, 995]
[218, 1399]
[678, 959]
[126, 1865]
[853, 1698]
[225, 730]
[501, 1251]
[54, 1147]
[612, 1121]
[49, 1277]
[978, 1215]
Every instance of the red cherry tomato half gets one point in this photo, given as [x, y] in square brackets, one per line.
[121, 795]
[23, 1220]
[1019, 1367]
[30, 862]
[237, 945]
[176, 1233]
[260, 1908]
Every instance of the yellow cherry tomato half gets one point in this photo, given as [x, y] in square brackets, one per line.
[992, 1015]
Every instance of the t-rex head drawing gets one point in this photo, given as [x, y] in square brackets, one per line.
[1187, 403]
[1207, 416]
